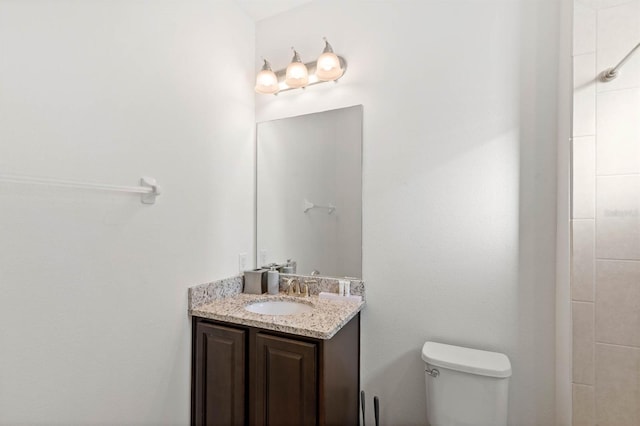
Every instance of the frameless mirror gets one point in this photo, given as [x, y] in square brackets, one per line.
[309, 192]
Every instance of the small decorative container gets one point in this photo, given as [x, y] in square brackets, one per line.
[255, 281]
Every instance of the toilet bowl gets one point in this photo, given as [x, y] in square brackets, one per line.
[465, 387]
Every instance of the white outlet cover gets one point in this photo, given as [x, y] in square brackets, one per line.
[242, 262]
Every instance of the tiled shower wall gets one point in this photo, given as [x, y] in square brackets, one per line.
[605, 284]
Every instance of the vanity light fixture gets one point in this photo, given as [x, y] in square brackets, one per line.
[328, 67]
[266, 80]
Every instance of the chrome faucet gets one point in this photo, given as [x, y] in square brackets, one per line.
[293, 287]
[306, 286]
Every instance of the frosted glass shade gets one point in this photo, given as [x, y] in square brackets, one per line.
[267, 83]
[297, 75]
[328, 67]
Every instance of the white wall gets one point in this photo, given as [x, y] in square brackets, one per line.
[459, 180]
[563, 235]
[93, 286]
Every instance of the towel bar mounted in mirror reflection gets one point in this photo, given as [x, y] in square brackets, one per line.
[148, 188]
[308, 205]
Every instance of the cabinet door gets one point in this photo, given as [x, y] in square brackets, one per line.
[286, 382]
[219, 376]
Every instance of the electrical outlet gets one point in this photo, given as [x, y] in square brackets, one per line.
[242, 262]
[263, 258]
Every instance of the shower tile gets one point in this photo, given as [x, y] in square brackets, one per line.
[583, 319]
[617, 385]
[583, 405]
[618, 217]
[584, 95]
[582, 260]
[584, 28]
[584, 177]
[618, 302]
[618, 144]
[601, 4]
[619, 27]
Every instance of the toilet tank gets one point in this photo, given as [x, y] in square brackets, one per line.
[465, 387]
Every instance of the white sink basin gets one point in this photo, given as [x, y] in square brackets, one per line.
[278, 307]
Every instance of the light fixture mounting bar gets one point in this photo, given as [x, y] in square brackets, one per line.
[311, 66]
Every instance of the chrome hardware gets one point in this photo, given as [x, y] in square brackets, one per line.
[308, 205]
[611, 73]
[293, 287]
[306, 286]
[315, 272]
[433, 372]
[148, 189]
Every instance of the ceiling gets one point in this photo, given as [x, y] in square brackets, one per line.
[261, 9]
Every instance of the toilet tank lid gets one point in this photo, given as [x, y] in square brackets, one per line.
[474, 361]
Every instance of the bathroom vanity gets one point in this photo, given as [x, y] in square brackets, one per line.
[253, 364]
[252, 376]
[252, 368]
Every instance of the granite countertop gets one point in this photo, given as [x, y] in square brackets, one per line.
[323, 322]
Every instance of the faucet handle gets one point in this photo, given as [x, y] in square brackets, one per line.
[289, 282]
[306, 286]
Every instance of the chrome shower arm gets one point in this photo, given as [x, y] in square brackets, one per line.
[611, 73]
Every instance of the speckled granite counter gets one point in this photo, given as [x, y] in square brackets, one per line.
[223, 301]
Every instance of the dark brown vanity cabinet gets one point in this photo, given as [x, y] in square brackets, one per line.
[285, 381]
[251, 376]
[219, 375]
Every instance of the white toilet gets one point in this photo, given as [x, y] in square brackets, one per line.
[466, 387]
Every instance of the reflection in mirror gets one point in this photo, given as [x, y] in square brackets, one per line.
[309, 192]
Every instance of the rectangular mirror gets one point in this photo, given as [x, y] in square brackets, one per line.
[309, 192]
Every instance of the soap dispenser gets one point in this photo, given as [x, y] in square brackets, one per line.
[273, 281]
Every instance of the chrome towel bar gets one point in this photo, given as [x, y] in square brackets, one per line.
[148, 188]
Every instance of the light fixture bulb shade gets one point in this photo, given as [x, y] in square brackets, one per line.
[266, 80]
[328, 67]
[267, 83]
[297, 74]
